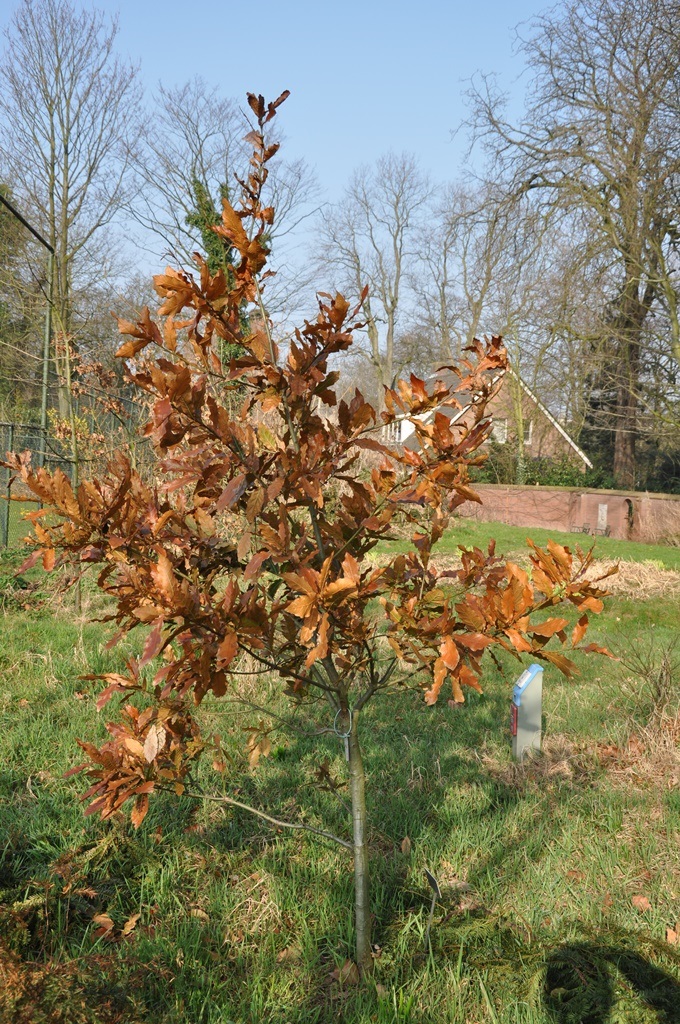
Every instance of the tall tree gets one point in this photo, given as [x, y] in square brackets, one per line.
[599, 137]
[185, 164]
[189, 162]
[484, 268]
[69, 118]
[22, 303]
[372, 238]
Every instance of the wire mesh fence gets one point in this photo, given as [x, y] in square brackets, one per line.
[52, 452]
[45, 451]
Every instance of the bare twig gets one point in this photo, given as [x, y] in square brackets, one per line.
[266, 817]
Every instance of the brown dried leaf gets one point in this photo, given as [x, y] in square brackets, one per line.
[155, 739]
[139, 810]
[134, 746]
[227, 650]
[105, 926]
[549, 627]
[348, 974]
[130, 925]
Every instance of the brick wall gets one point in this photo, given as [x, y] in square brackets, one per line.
[628, 515]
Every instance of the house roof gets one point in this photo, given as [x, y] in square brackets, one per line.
[465, 399]
[546, 412]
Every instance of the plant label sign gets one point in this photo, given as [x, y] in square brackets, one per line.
[526, 709]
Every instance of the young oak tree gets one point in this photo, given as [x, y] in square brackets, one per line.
[237, 554]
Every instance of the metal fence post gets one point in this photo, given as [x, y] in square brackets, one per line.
[46, 355]
[8, 488]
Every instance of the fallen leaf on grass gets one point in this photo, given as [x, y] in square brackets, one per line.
[406, 846]
[607, 752]
[200, 914]
[641, 903]
[575, 876]
[105, 926]
[130, 924]
[673, 936]
[635, 746]
[289, 953]
[348, 974]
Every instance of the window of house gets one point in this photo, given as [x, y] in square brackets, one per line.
[528, 431]
[499, 430]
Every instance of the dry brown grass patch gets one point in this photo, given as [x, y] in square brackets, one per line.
[650, 758]
[643, 580]
[72, 992]
[560, 760]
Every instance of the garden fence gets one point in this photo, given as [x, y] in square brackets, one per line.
[52, 453]
[45, 451]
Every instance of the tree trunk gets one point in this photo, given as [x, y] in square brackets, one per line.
[624, 439]
[626, 426]
[517, 409]
[362, 905]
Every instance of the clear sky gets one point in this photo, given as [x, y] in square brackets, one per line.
[365, 77]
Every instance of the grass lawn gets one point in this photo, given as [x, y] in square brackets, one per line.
[471, 533]
[559, 878]
[18, 527]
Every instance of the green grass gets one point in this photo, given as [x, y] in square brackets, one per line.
[18, 527]
[471, 533]
[538, 865]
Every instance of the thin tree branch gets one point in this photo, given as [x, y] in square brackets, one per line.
[298, 825]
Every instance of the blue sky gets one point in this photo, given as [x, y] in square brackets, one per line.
[365, 77]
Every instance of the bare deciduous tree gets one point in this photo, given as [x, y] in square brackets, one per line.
[484, 269]
[69, 115]
[599, 138]
[369, 239]
[191, 157]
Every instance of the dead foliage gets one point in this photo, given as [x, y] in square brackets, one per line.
[234, 556]
[644, 580]
[649, 758]
[82, 991]
[560, 760]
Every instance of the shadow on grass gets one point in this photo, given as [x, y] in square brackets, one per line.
[424, 782]
[580, 984]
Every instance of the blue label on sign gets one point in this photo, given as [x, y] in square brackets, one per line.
[520, 686]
